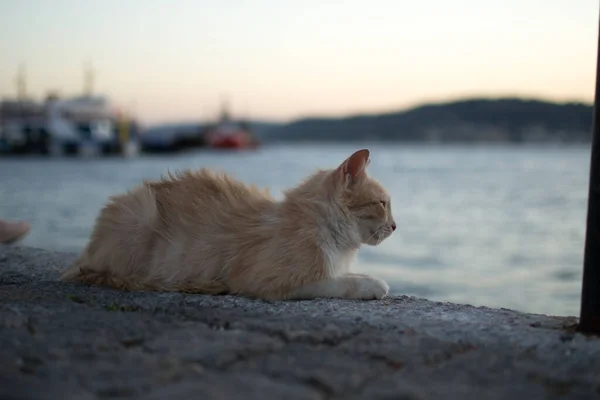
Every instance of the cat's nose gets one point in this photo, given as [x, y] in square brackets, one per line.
[393, 226]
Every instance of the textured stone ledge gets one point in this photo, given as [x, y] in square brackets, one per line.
[64, 341]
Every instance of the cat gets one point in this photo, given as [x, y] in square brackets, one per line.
[205, 232]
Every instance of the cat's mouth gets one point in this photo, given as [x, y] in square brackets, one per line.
[378, 236]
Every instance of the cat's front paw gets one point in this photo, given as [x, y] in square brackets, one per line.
[370, 288]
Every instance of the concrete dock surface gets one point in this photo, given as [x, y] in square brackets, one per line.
[66, 341]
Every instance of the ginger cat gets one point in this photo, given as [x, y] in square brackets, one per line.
[202, 232]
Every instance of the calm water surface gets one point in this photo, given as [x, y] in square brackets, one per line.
[494, 226]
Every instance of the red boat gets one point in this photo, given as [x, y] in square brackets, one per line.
[229, 136]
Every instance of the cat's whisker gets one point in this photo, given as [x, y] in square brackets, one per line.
[371, 237]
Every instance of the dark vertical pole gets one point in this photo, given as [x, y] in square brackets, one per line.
[590, 294]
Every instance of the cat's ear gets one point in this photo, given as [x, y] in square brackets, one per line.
[354, 166]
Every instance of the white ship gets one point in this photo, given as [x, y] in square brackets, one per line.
[85, 125]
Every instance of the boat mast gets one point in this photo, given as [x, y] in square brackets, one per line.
[225, 110]
[88, 80]
[21, 82]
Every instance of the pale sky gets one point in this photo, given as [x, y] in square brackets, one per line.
[284, 59]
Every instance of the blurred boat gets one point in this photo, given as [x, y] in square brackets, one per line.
[172, 137]
[223, 134]
[228, 134]
[83, 125]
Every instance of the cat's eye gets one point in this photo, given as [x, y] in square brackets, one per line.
[383, 203]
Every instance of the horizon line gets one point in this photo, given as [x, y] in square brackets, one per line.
[415, 105]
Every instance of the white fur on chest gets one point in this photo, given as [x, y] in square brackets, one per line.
[337, 262]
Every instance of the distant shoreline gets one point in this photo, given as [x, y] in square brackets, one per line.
[503, 120]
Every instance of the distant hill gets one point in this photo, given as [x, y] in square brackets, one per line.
[262, 128]
[472, 120]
